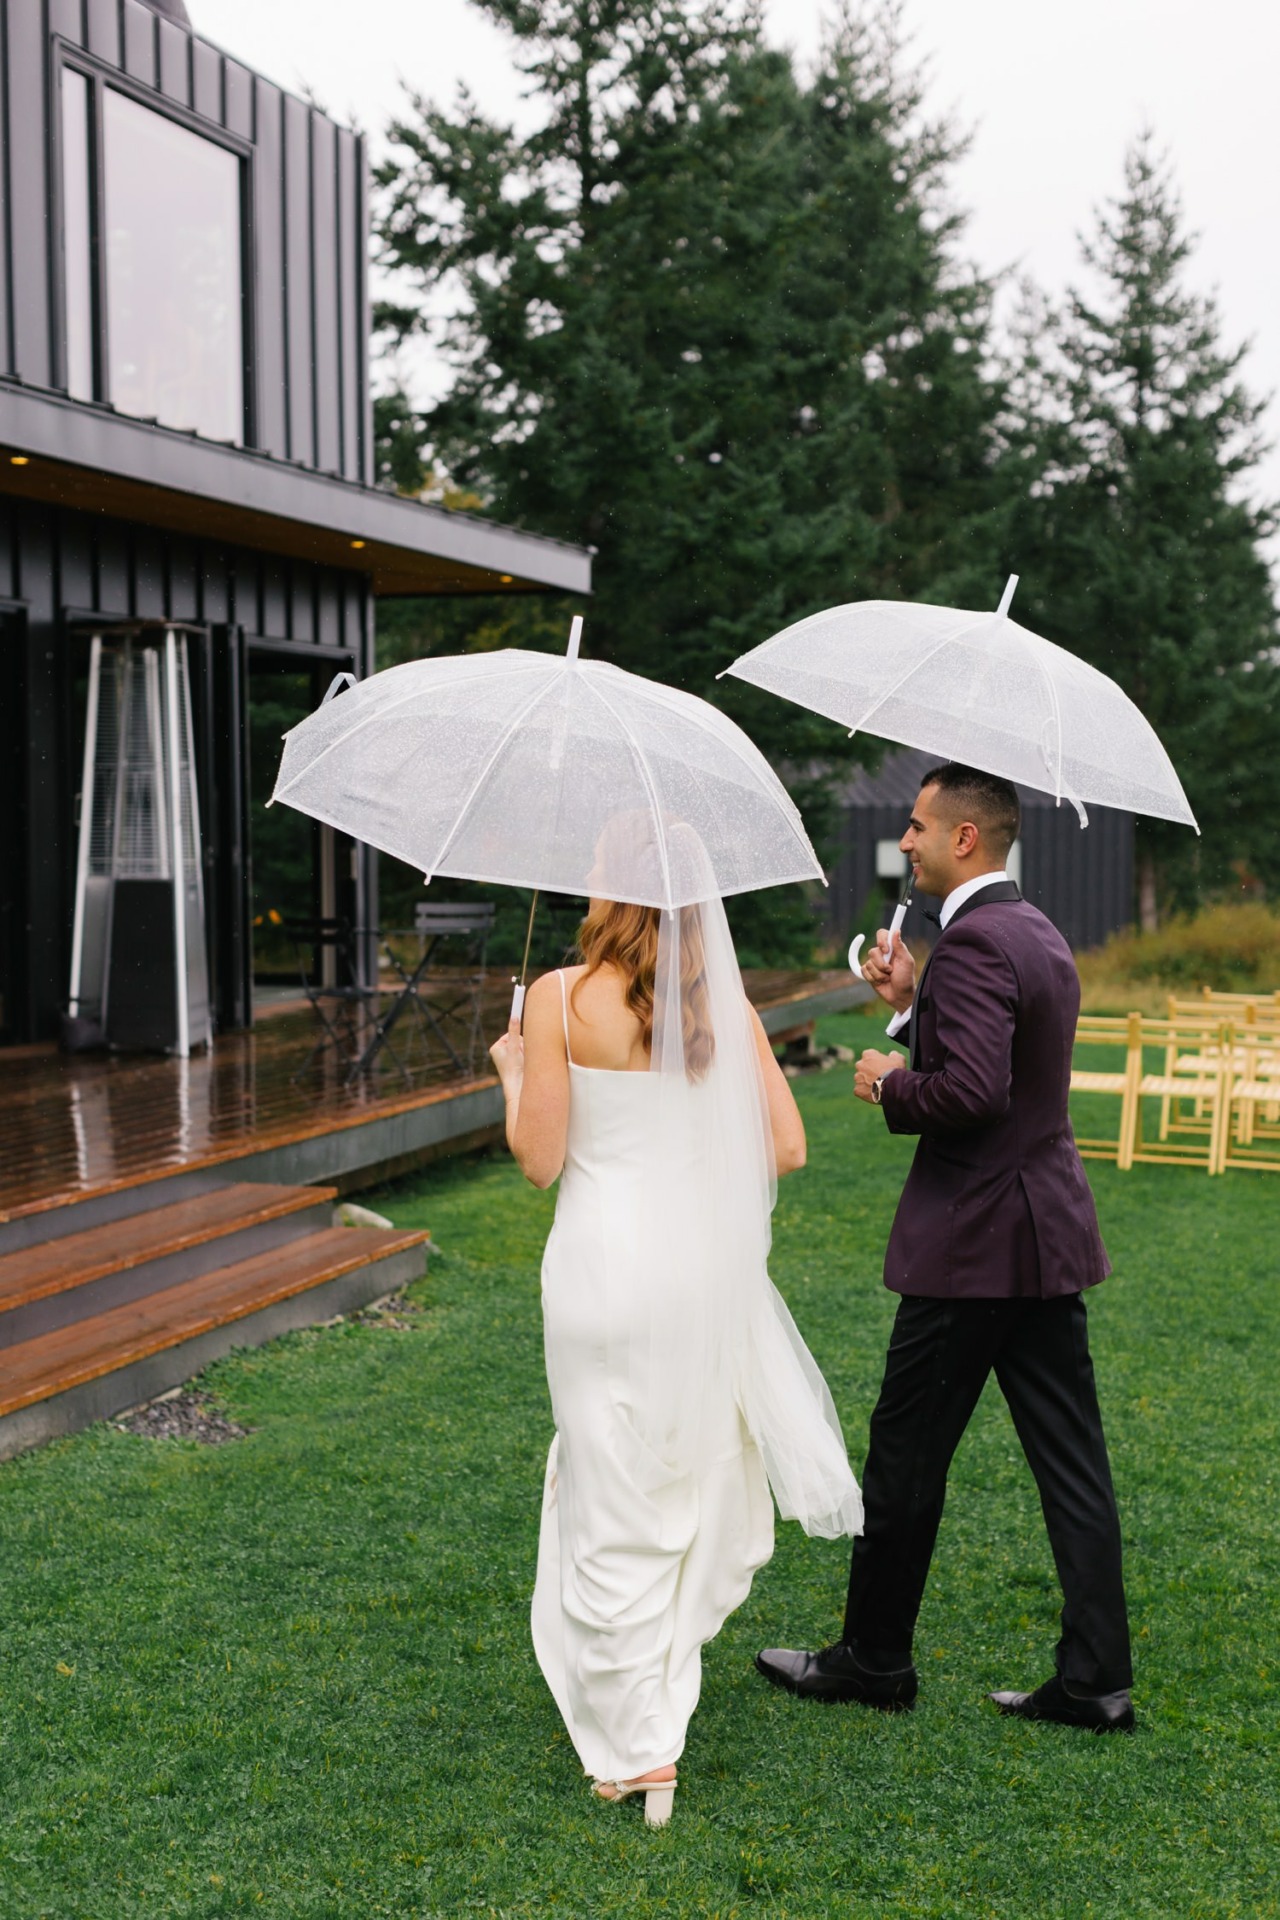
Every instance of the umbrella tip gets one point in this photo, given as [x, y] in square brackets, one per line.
[575, 637]
[1007, 595]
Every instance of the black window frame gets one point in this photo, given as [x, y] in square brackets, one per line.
[100, 74]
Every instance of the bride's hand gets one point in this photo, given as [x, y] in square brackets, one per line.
[507, 1056]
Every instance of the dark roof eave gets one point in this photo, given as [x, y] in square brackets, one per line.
[280, 507]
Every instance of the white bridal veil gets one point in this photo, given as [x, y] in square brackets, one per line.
[710, 1327]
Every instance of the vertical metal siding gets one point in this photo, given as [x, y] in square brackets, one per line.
[273, 598]
[148, 574]
[328, 623]
[325, 243]
[271, 385]
[237, 86]
[206, 81]
[214, 581]
[182, 596]
[297, 277]
[139, 41]
[175, 62]
[300, 583]
[353, 341]
[8, 552]
[25, 73]
[113, 594]
[74, 582]
[364, 397]
[104, 29]
[65, 18]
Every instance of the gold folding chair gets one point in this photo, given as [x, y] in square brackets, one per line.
[1094, 1033]
[1252, 1027]
[1253, 1095]
[1201, 1077]
[1192, 1051]
[1264, 1002]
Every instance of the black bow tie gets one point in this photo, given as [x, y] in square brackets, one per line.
[935, 917]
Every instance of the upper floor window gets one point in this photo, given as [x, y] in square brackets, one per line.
[153, 269]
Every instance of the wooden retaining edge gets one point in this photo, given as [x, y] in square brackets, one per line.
[51, 1363]
[129, 1386]
[76, 1259]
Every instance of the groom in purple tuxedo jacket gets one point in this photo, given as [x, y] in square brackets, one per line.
[993, 1245]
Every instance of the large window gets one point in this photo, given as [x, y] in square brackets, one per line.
[153, 253]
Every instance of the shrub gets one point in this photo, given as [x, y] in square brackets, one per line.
[1231, 949]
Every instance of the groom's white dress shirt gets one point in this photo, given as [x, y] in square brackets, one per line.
[954, 900]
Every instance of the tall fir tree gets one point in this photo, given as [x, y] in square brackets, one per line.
[1139, 544]
[709, 319]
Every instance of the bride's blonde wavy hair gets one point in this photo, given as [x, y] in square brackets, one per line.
[625, 937]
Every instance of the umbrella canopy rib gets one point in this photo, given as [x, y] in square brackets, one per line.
[643, 766]
[793, 818]
[1047, 677]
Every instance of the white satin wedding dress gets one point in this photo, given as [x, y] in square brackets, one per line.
[656, 1511]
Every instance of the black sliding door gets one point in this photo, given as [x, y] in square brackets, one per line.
[300, 872]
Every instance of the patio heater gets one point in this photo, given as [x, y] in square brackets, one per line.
[139, 973]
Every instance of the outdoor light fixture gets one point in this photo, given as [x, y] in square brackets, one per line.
[19, 460]
[506, 579]
[357, 543]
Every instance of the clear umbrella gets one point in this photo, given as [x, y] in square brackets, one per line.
[511, 767]
[977, 688]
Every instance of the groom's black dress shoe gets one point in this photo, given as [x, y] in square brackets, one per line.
[835, 1673]
[1099, 1712]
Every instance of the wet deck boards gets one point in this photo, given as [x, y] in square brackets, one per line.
[73, 1126]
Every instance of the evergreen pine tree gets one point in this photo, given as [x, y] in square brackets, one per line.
[1138, 544]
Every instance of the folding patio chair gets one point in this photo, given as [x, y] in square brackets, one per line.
[1250, 1026]
[441, 993]
[1117, 1032]
[1264, 1002]
[1253, 1094]
[1201, 1076]
[330, 974]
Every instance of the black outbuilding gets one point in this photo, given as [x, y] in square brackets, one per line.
[1081, 878]
[185, 437]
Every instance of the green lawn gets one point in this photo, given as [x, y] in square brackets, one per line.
[292, 1675]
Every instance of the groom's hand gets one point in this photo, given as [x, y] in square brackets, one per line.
[893, 979]
[872, 1066]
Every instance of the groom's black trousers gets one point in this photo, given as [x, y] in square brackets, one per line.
[939, 1358]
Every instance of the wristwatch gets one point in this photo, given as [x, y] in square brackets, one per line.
[877, 1088]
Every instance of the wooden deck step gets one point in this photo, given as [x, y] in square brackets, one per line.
[115, 1342]
[80, 1259]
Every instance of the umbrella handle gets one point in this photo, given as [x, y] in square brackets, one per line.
[895, 932]
[518, 986]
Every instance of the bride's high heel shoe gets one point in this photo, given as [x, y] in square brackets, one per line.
[659, 1797]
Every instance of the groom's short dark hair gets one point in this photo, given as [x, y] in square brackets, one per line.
[990, 802]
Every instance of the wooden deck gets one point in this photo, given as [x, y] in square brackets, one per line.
[75, 1127]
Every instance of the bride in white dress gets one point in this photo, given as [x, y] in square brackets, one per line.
[680, 1387]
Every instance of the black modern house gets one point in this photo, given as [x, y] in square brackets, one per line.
[185, 442]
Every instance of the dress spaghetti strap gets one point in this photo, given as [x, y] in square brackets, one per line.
[564, 1009]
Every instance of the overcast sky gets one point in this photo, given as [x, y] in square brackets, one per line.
[1051, 93]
